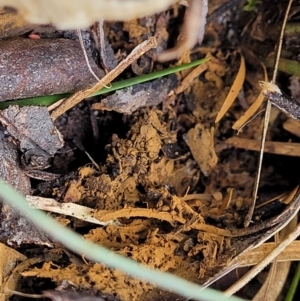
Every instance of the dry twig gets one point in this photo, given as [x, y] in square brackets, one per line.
[107, 79]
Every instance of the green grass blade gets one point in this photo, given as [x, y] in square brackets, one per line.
[51, 99]
[295, 283]
[285, 65]
[34, 101]
[147, 77]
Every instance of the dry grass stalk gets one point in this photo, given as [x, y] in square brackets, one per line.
[106, 80]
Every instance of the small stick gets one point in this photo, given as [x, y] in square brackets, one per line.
[283, 102]
[107, 79]
[279, 148]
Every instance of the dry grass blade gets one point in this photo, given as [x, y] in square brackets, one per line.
[271, 147]
[274, 283]
[264, 293]
[254, 256]
[292, 126]
[278, 272]
[253, 108]
[266, 122]
[68, 209]
[275, 252]
[107, 79]
[262, 264]
[293, 199]
[186, 82]
[234, 90]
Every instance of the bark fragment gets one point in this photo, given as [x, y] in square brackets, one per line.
[16, 229]
[30, 68]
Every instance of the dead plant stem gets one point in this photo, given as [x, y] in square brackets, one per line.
[266, 121]
[263, 263]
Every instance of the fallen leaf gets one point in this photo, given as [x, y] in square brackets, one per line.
[234, 90]
[253, 108]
